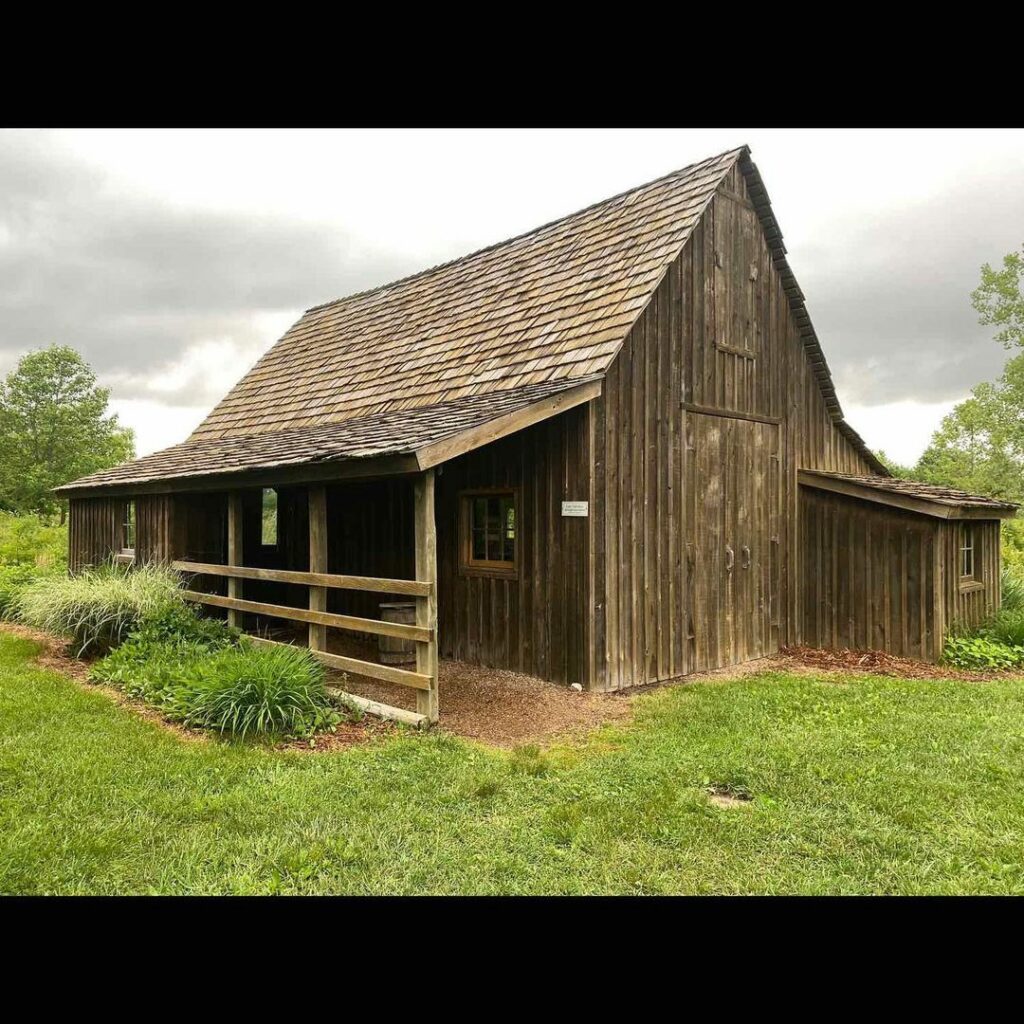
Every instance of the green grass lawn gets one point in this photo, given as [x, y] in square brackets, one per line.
[865, 786]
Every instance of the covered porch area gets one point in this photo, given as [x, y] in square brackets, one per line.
[271, 559]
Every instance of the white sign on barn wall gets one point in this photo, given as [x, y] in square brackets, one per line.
[575, 508]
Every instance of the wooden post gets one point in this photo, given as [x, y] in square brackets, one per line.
[317, 563]
[426, 607]
[235, 556]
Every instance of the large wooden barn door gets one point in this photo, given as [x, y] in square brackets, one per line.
[733, 540]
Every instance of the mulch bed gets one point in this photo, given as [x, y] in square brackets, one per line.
[878, 663]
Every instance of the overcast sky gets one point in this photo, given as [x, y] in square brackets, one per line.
[173, 259]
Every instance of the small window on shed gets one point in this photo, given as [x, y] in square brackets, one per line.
[268, 536]
[967, 561]
[128, 529]
[488, 533]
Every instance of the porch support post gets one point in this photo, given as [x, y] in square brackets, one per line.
[317, 563]
[235, 617]
[426, 606]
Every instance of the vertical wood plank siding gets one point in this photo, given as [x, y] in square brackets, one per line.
[969, 606]
[94, 531]
[154, 528]
[871, 577]
[536, 623]
[883, 579]
[670, 481]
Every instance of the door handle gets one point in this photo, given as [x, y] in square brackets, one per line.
[745, 564]
[730, 557]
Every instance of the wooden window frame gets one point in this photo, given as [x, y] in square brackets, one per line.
[967, 541]
[129, 527]
[277, 519]
[467, 565]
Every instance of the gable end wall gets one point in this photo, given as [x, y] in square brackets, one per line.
[720, 335]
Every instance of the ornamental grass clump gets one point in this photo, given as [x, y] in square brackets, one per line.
[1012, 587]
[97, 609]
[251, 691]
[13, 579]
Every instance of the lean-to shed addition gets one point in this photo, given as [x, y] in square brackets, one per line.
[591, 453]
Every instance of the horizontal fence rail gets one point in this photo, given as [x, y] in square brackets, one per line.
[375, 584]
[386, 673]
[284, 611]
[370, 669]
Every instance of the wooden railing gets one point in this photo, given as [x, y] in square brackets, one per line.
[319, 581]
[421, 590]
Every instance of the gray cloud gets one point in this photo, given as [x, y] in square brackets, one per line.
[890, 293]
[133, 283]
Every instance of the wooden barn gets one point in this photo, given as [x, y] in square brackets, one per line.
[606, 452]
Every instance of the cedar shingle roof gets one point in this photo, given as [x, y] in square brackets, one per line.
[553, 304]
[389, 433]
[947, 497]
[548, 308]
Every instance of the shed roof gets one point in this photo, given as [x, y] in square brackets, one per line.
[930, 499]
[430, 435]
[548, 308]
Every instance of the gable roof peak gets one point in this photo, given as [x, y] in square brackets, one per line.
[552, 304]
[737, 151]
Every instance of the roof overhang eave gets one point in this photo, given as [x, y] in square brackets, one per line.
[353, 468]
[906, 502]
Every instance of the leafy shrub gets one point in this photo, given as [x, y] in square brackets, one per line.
[32, 540]
[151, 662]
[263, 691]
[98, 608]
[982, 652]
[180, 623]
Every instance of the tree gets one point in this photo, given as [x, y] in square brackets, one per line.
[894, 467]
[54, 427]
[979, 446]
[999, 300]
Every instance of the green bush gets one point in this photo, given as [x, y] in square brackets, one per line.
[254, 691]
[981, 652]
[99, 608]
[151, 662]
[33, 540]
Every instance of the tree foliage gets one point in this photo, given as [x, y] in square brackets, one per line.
[54, 427]
[979, 446]
[999, 300]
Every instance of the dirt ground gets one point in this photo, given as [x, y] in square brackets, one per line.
[502, 708]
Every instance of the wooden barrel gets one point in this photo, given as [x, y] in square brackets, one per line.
[394, 650]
